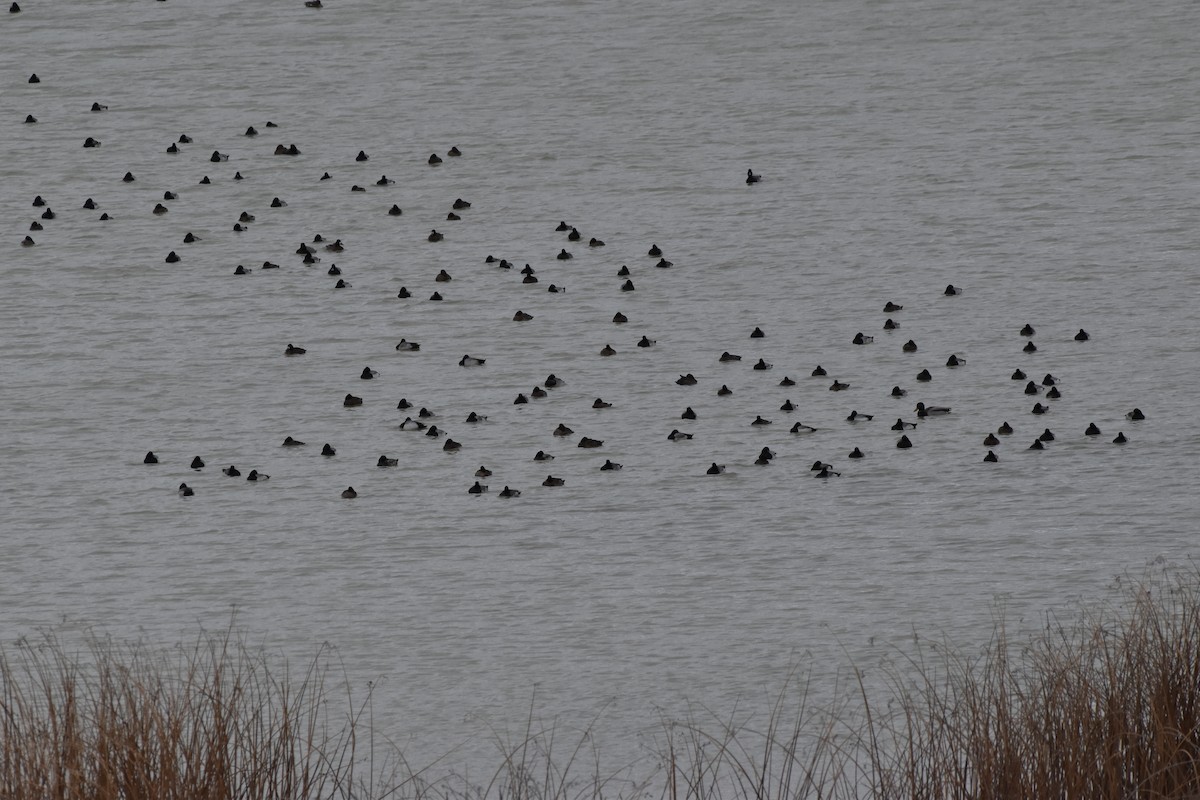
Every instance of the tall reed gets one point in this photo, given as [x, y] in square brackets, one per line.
[1106, 707]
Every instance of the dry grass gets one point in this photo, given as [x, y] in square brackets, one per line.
[125, 722]
[1107, 707]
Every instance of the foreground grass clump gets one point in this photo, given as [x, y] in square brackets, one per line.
[1106, 707]
[126, 722]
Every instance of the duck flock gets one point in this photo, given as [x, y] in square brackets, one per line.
[548, 265]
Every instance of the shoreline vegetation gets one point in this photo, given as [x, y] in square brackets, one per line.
[1107, 706]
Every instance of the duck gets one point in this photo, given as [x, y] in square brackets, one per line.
[469, 361]
[150, 458]
[901, 425]
[348, 493]
[542, 455]
[256, 476]
[955, 360]
[909, 347]
[405, 346]
[574, 235]
[434, 236]
[991, 457]
[724, 391]
[594, 242]
[990, 440]
[197, 463]
[451, 446]
[646, 342]
[1028, 330]
[856, 453]
[1092, 430]
[474, 418]
[924, 376]
[185, 490]
[759, 421]
[563, 255]
[751, 178]
[1054, 393]
[827, 472]
[411, 424]
[608, 350]
[898, 392]
[890, 308]
[687, 380]
[404, 403]
[757, 333]
[859, 338]
[609, 466]
[434, 158]
[562, 430]
[664, 264]
[553, 381]
[384, 461]
[1120, 439]
[800, 427]
[1037, 445]
[688, 413]
[818, 372]
[521, 399]
[619, 318]
[601, 404]
[952, 290]
[328, 450]
[521, 316]
[1082, 336]
[434, 432]
[1136, 414]
[1033, 388]
[553, 481]
[1038, 408]
[362, 156]
[787, 381]
[395, 211]
[483, 472]
[728, 356]
[290, 442]
[838, 386]
[1046, 435]
[562, 226]
[856, 416]
[1030, 347]
[538, 392]
[763, 365]
[716, 469]
[788, 406]
[350, 401]
[232, 471]
[477, 488]
[1005, 429]
[931, 411]
[904, 443]
[627, 286]
[678, 436]
[368, 374]
[507, 492]
[587, 443]
[442, 277]
[1018, 375]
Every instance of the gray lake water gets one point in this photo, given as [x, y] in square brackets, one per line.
[1042, 157]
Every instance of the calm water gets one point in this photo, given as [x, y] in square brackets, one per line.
[1043, 158]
